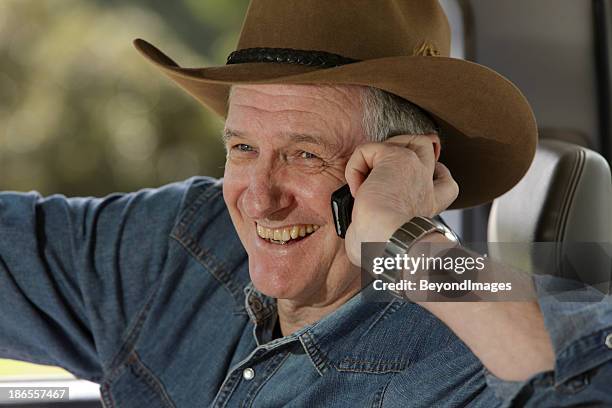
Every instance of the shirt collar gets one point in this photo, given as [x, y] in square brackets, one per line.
[329, 338]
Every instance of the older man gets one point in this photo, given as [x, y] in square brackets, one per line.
[288, 148]
[240, 293]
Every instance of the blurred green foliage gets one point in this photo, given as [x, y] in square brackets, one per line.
[82, 113]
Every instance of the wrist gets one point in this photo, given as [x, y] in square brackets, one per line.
[419, 237]
[432, 243]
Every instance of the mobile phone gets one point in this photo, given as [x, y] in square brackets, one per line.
[342, 209]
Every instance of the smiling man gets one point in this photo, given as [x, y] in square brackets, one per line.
[288, 149]
[238, 292]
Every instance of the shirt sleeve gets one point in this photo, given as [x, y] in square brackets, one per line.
[579, 322]
[75, 273]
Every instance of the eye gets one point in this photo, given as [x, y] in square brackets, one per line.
[243, 147]
[308, 155]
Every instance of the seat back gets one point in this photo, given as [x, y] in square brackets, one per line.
[565, 197]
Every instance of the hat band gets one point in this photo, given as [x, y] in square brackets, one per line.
[309, 58]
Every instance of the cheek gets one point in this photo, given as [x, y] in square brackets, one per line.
[315, 194]
[233, 185]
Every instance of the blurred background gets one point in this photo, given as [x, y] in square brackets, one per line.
[83, 113]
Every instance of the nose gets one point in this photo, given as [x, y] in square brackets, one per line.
[265, 194]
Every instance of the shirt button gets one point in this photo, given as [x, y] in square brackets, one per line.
[248, 374]
[609, 341]
[255, 304]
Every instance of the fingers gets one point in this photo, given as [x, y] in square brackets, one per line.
[446, 188]
[422, 145]
[400, 148]
[357, 169]
[367, 156]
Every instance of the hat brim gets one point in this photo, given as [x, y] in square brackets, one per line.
[489, 128]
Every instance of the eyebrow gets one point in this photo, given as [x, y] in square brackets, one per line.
[295, 137]
[228, 134]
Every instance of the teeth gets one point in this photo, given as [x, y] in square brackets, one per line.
[286, 236]
[282, 235]
[295, 230]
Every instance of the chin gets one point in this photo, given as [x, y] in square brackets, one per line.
[278, 282]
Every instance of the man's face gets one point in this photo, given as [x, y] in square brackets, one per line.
[287, 151]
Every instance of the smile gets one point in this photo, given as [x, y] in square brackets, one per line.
[281, 236]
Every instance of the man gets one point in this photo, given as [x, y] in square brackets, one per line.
[240, 293]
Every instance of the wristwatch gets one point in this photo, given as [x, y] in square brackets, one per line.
[415, 229]
[407, 235]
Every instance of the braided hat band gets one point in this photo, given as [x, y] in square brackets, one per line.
[320, 59]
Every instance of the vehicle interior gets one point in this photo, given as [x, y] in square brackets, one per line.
[558, 52]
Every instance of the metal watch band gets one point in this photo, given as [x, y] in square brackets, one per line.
[404, 238]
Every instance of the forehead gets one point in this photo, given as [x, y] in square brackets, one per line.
[335, 111]
[277, 96]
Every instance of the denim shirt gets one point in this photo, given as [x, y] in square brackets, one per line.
[148, 294]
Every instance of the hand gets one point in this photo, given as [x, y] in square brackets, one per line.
[392, 182]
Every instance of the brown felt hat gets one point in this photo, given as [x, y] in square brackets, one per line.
[400, 46]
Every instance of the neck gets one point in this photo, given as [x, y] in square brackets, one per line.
[294, 315]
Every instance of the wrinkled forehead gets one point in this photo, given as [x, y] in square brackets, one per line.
[349, 96]
[335, 112]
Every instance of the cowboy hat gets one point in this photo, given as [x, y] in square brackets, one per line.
[400, 46]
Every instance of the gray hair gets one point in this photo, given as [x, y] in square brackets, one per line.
[386, 115]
